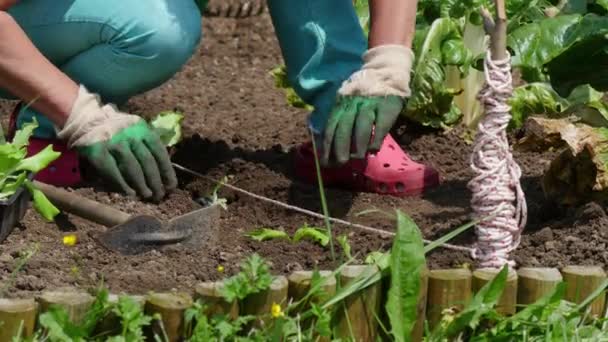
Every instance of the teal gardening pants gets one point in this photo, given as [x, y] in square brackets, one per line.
[121, 48]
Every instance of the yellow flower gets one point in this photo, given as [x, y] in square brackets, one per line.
[276, 311]
[220, 268]
[70, 240]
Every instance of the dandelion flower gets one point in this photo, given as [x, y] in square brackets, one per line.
[220, 268]
[276, 311]
[70, 240]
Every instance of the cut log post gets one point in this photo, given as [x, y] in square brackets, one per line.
[418, 331]
[171, 308]
[357, 314]
[581, 281]
[299, 285]
[448, 289]
[17, 318]
[534, 283]
[260, 304]
[75, 302]
[507, 304]
[209, 294]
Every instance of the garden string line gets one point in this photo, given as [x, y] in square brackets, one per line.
[308, 212]
[496, 186]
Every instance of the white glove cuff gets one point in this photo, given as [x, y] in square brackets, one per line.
[386, 71]
[90, 122]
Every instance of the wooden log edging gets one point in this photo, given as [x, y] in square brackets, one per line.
[442, 289]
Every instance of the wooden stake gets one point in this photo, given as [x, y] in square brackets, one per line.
[171, 307]
[448, 289]
[16, 314]
[74, 301]
[209, 294]
[497, 30]
[581, 281]
[359, 311]
[507, 303]
[418, 331]
[299, 285]
[260, 304]
[535, 283]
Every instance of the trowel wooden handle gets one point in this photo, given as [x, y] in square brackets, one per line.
[83, 207]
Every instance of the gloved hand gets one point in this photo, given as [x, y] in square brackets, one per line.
[122, 147]
[368, 103]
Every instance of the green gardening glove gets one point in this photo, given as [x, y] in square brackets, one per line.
[120, 146]
[368, 105]
[352, 122]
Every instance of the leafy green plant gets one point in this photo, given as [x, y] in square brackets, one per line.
[201, 328]
[345, 245]
[132, 319]
[168, 125]
[315, 234]
[264, 234]
[15, 167]
[407, 263]
[59, 327]
[253, 277]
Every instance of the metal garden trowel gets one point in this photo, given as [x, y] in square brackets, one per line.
[137, 234]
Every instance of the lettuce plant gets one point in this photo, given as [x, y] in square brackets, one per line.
[15, 167]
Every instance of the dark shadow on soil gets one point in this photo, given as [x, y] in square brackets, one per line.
[277, 159]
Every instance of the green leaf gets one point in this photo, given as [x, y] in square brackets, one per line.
[317, 235]
[264, 234]
[39, 161]
[431, 101]
[168, 125]
[253, 277]
[406, 264]
[343, 241]
[362, 10]
[42, 204]
[22, 136]
[540, 98]
[11, 186]
[281, 81]
[534, 98]
[569, 50]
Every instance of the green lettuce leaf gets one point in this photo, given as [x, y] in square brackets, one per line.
[279, 75]
[264, 234]
[541, 99]
[42, 204]
[168, 125]
[38, 161]
[317, 235]
[15, 167]
[567, 50]
[431, 101]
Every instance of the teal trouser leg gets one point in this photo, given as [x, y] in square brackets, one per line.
[117, 48]
[322, 44]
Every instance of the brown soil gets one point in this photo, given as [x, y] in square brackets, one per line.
[239, 125]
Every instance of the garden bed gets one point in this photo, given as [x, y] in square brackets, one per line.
[237, 124]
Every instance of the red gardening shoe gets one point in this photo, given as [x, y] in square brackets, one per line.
[64, 171]
[389, 171]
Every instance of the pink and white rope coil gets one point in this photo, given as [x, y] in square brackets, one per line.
[496, 188]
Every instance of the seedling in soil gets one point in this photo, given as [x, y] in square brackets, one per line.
[317, 235]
